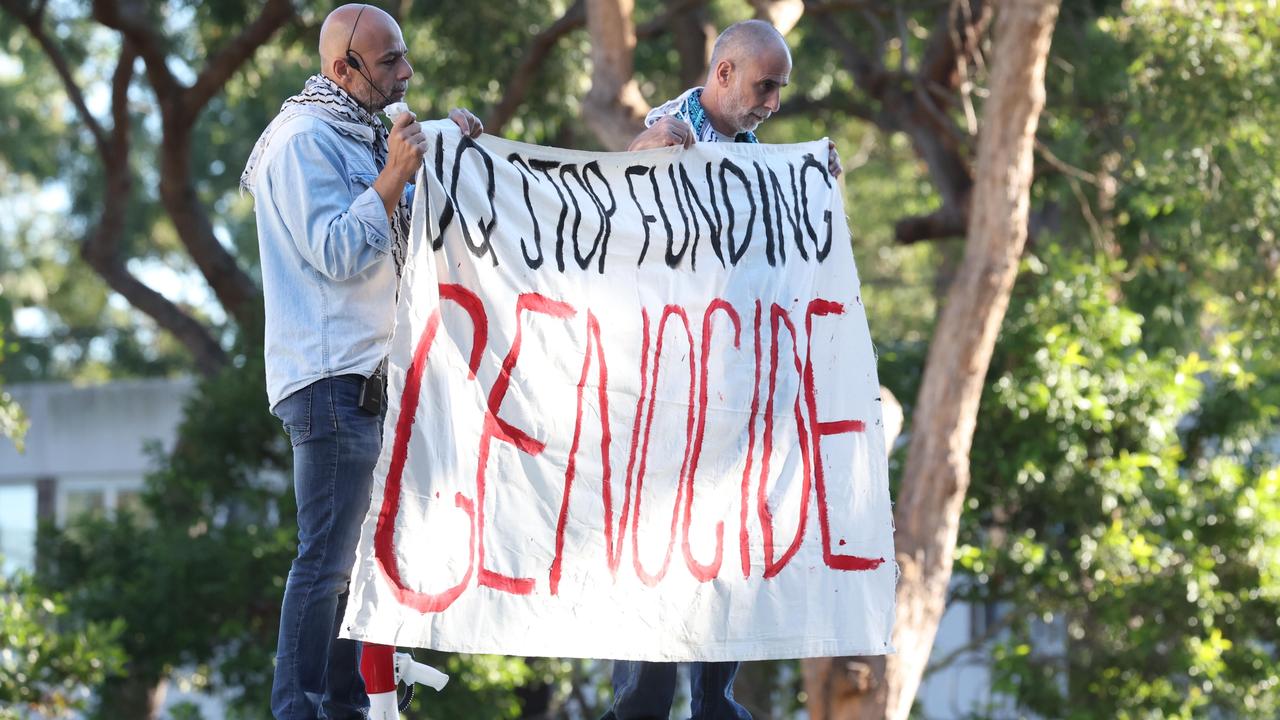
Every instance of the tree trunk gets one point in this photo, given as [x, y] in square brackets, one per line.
[531, 58]
[830, 683]
[235, 291]
[132, 698]
[103, 247]
[782, 14]
[693, 35]
[614, 109]
[936, 477]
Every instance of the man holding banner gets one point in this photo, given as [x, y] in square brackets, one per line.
[329, 183]
[750, 64]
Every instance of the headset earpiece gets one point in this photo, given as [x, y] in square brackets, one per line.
[351, 58]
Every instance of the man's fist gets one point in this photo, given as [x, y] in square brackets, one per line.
[668, 131]
[833, 159]
[468, 123]
[405, 148]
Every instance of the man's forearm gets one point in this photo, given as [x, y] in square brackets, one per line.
[390, 190]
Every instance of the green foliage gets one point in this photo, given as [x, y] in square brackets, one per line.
[197, 578]
[1177, 102]
[49, 658]
[1133, 573]
[463, 55]
[1123, 510]
[76, 329]
[13, 423]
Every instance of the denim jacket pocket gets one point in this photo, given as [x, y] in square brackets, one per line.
[295, 412]
[361, 181]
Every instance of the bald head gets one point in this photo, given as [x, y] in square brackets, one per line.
[377, 72]
[749, 38]
[335, 33]
[750, 64]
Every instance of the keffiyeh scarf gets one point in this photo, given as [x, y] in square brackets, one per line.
[323, 98]
[688, 107]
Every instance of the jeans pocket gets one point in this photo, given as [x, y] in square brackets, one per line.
[295, 412]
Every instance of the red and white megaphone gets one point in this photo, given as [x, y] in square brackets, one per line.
[384, 669]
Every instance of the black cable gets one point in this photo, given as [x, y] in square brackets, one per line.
[358, 64]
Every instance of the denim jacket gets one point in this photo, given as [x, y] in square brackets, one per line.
[328, 278]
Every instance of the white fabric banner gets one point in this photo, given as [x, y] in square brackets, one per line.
[633, 412]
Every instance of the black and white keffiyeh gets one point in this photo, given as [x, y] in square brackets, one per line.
[325, 99]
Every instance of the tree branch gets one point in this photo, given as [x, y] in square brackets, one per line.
[834, 102]
[868, 72]
[782, 14]
[906, 103]
[34, 22]
[946, 222]
[101, 247]
[1063, 167]
[219, 69]
[534, 54]
[120, 81]
[830, 6]
[944, 69]
[949, 131]
[937, 474]
[614, 107]
[232, 286]
[693, 35]
[954, 41]
[658, 24]
[950, 658]
[131, 19]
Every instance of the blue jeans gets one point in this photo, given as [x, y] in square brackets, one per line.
[335, 446]
[644, 690]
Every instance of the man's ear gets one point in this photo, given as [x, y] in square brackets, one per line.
[339, 70]
[724, 72]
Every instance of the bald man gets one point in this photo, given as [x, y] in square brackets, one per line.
[329, 185]
[750, 64]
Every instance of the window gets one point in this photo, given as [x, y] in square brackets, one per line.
[131, 501]
[17, 527]
[85, 502]
[80, 498]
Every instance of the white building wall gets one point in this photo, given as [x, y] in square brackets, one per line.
[963, 686]
[86, 448]
[92, 431]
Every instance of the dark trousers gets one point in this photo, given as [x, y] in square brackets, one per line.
[335, 446]
[645, 690]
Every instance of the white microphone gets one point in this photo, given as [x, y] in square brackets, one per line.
[395, 109]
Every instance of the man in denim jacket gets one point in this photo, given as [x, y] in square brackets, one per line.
[750, 64]
[329, 184]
